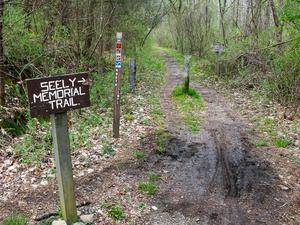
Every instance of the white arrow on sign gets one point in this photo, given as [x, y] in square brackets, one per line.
[81, 81]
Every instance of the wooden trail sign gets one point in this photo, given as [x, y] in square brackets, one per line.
[58, 94]
[55, 96]
[117, 86]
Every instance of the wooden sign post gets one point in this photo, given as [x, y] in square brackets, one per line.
[218, 49]
[55, 96]
[117, 86]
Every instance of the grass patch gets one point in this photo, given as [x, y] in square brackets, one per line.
[138, 154]
[148, 187]
[261, 143]
[153, 177]
[179, 91]
[108, 149]
[189, 104]
[117, 212]
[282, 143]
[15, 220]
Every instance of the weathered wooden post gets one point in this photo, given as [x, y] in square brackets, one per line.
[186, 86]
[218, 48]
[63, 164]
[132, 74]
[117, 87]
[55, 96]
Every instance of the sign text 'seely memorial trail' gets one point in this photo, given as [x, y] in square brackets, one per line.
[58, 94]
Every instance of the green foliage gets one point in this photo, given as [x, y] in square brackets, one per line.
[148, 187]
[117, 212]
[15, 219]
[282, 143]
[138, 154]
[141, 205]
[146, 121]
[108, 149]
[47, 221]
[261, 143]
[34, 146]
[106, 205]
[153, 177]
[291, 13]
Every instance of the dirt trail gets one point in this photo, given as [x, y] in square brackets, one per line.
[213, 177]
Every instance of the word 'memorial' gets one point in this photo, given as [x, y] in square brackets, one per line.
[58, 94]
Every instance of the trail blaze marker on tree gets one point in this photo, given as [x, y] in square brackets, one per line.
[117, 86]
[55, 96]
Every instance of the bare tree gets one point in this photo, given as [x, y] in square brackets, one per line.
[222, 18]
[276, 21]
[2, 74]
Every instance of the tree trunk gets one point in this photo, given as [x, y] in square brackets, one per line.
[90, 28]
[276, 22]
[222, 12]
[2, 74]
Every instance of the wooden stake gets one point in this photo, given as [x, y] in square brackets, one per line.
[117, 98]
[64, 166]
[117, 87]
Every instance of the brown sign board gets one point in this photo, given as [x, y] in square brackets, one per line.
[57, 94]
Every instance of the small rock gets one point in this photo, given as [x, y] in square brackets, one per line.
[87, 218]
[79, 223]
[284, 188]
[59, 222]
[90, 170]
[7, 162]
[78, 213]
[297, 143]
[44, 183]
[154, 208]
[13, 169]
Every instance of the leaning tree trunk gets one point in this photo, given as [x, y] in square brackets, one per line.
[2, 74]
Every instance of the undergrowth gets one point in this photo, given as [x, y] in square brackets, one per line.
[15, 219]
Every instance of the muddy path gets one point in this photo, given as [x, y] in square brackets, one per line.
[213, 176]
